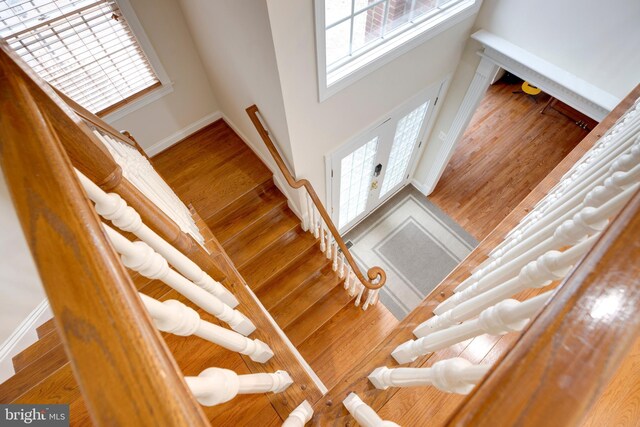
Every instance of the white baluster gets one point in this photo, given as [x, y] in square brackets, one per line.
[456, 375]
[619, 134]
[371, 298]
[564, 183]
[347, 278]
[624, 157]
[334, 252]
[360, 287]
[353, 284]
[299, 416]
[114, 208]
[176, 318]
[376, 295]
[323, 237]
[579, 181]
[316, 222]
[506, 316]
[341, 266]
[310, 213]
[137, 170]
[622, 173]
[214, 385]
[553, 265]
[329, 251]
[302, 197]
[587, 222]
[140, 257]
[364, 414]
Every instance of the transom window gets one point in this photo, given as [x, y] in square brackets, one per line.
[356, 33]
[85, 48]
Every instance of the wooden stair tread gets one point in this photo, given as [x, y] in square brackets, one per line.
[251, 241]
[305, 296]
[303, 388]
[288, 280]
[246, 210]
[36, 350]
[45, 328]
[211, 180]
[224, 184]
[207, 148]
[277, 257]
[317, 315]
[342, 342]
[33, 374]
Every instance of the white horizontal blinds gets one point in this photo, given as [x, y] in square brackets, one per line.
[404, 142]
[355, 178]
[84, 48]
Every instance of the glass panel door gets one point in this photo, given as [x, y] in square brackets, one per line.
[374, 166]
[404, 144]
[355, 180]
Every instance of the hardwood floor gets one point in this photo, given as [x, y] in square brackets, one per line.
[235, 195]
[508, 148]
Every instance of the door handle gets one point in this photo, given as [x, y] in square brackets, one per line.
[377, 170]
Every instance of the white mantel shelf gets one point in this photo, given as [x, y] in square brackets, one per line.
[557, 82]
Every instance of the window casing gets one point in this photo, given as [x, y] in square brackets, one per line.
[354, 37]
[85, 48]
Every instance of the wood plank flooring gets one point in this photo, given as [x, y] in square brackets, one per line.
[508, 148]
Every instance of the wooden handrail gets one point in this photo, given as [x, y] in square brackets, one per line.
[123, 136]
[565, 358]
[374, 272]
[125, 371]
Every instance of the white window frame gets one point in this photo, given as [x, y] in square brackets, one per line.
[384, 51]
[166, 83]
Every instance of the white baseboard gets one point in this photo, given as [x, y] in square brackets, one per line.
[182, 133]
[24, 335]
[421, 187]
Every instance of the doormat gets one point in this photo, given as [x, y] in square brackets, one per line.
[414, 242]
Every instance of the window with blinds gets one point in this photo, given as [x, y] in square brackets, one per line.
[84, 48]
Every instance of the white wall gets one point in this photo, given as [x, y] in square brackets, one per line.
[20, 286]
[192, 98]
[316, 128]
[596, 42]
[233, 38]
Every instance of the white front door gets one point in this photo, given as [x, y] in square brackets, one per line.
[375, 165]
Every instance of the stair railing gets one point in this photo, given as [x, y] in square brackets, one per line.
[76, 128]
[113, 347]
[106, 326]
[590, 250]
[318, 222]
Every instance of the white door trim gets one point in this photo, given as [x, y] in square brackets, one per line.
[439, 88]
[481, 80]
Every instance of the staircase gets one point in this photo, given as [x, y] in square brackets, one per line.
[235, 194]
[240, 243]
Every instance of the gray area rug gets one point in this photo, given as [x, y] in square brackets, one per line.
[414, 242]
